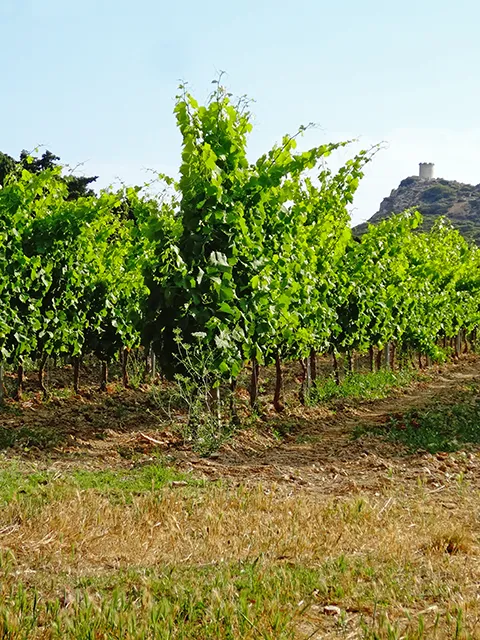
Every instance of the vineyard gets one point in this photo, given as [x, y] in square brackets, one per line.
[234, 263]
[222, 415]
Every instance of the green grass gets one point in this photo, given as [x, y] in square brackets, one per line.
[17, 484]
[441, 427]
[37, 487]
[229, 601]
[26, 438]
[212, 602]
[232, 601]
[365, 386]
[132, 482]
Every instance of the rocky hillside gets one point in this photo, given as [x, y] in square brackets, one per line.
[460, 203]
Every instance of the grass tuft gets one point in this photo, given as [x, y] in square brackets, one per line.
[27, 438]
[123, 485]
[441, 427]
[365, 386]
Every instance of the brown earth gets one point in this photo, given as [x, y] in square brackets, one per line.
[321, 455]
[308, 447]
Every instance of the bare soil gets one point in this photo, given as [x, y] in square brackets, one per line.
[308, 447]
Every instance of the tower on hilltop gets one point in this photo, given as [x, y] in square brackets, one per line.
[426, 170]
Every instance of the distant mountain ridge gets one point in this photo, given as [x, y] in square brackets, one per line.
[433, 197]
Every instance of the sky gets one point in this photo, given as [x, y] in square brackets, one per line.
[95, 81]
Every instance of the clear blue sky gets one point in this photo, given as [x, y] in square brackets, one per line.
[95, 80]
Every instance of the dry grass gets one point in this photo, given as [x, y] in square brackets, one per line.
[293, 531]
[221, 525]
[393, 564]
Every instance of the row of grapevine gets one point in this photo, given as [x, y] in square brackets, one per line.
[254, 261]
[69, 276]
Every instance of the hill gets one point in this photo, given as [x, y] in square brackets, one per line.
[459, 202]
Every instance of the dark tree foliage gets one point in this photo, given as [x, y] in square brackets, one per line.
[78, 186]
[7, 165]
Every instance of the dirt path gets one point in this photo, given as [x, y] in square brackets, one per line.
[320, 454]
[316, 450]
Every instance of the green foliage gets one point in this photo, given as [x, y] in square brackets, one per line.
[69, 273]
[370, 300]
[441, 427]
[238, 261]
[256, 245]
[438, 192]
[78, 186]
[366, 386]
[406, 287]
[7, 166]
[27, 438]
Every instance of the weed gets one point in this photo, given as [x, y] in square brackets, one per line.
[207, 401]
[367, 386]
[438, 428]
[29, 438]
[166, 397]
[283, 428]
[136, 367]
[305, 438]
[118, 486]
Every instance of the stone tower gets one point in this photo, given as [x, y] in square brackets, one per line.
[426, 170]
